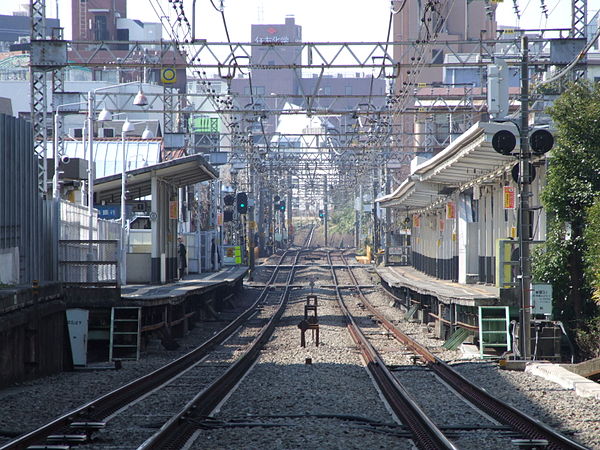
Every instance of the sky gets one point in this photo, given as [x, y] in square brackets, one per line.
[336, 20]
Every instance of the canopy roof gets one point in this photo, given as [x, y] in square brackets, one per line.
[467, 161]
[177, 172]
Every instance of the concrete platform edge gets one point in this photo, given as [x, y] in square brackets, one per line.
[568, 380]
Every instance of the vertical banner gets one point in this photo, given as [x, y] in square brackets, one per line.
[173, 210]
[509, 197]
[416, 220]
[450, 210]
[442, 225]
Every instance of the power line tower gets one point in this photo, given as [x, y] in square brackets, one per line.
[579, 31]
[578, 19]
[46, 56]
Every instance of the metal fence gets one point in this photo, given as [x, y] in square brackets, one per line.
[34, 243]
[89, 262]
[26, 219]
[83, 260]
[75, 224]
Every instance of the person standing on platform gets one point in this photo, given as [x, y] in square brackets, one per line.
[182, 257]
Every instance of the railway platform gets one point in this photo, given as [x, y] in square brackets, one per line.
[191, 284]
[446, 291]
[445, 304]
[42, 326]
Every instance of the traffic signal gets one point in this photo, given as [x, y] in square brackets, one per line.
[516, 171]
[228, 200]
[282, 205]
[504, 142]
[541, 141]
[321, 214]
[227, 215]
[242, 202]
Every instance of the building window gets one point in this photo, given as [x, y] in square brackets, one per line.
[100, 29]
[437, 56]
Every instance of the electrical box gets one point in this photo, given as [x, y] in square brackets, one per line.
[48, 54]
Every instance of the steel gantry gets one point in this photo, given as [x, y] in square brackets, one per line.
[371, 132]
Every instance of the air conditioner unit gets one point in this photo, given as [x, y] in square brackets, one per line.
[106, 132]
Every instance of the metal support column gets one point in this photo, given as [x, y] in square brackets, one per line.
[375, 218]
[325, 206]
[290, 227]
[525, 192]
[388, 223]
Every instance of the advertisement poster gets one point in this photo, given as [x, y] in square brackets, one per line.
[509, 197]
[450, 210]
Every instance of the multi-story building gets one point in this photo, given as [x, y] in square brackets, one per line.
[433, 38]
[96, 20]
[16, 28]
[272, 88]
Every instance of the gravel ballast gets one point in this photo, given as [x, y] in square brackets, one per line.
[331, 403]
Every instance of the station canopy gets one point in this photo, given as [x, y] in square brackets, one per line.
[177, 172]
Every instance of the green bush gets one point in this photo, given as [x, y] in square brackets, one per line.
[588, 339]
[570, 259]
[592, 255]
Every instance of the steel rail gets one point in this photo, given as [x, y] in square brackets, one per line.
[179, 429]
[426, 434]
[499, 410]
[103, 406]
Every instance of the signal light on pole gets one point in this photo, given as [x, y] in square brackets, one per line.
[242, 202]
[228, 200]
[321, 214]
[282, 205]
[504, 142]
[541, 141]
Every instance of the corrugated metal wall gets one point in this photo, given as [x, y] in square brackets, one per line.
[26, 224]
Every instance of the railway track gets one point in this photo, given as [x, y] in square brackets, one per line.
[182, 426]
[496, 420]
[425, 433]
[296, 393]
[77, 426]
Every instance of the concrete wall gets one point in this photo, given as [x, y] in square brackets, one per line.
[34, 342]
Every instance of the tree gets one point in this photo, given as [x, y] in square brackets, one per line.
[572, 187]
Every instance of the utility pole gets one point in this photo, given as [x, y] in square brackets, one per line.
[375, 220]
[325, 206]
[360, 214]
[388, 223]
[357, 203]
[251, 224]
[525, 191]
[290, 227]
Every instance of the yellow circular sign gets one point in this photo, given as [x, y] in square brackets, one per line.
[168, 75]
